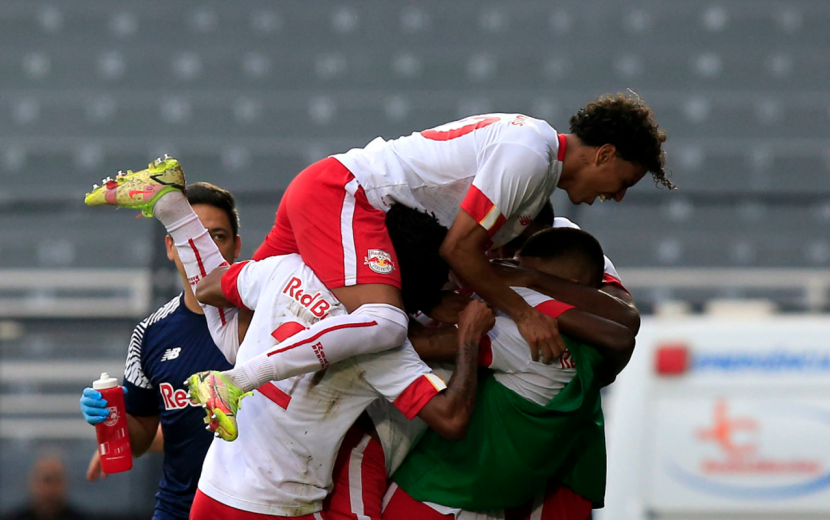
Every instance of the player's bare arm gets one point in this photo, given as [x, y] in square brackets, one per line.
[614, 341]
[463, 249]
[209, 290]
[600, 302]
[619, 293]
[449, 412]
[143, 431]
[434, 344]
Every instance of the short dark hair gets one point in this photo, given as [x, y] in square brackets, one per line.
[569, 245]
[627, 123]
[417, 237]
[212, 195]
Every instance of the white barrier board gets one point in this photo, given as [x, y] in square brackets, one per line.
[741, 429]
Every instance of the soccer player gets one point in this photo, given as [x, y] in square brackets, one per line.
[295, 426]
[381, 445]
[484, 177]
[545, 420]
[168, 346]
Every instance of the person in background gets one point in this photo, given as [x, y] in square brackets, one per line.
[47, 490]
[164, 350]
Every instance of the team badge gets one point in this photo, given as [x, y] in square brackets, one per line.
[379, 261]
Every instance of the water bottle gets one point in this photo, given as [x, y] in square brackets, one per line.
[113, 434]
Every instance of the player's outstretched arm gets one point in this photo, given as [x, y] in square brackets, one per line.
[463, 249]
[614, 341]
[594, 301]
[209, 290]
[449, 412]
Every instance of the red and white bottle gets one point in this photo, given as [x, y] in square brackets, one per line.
[113, 433]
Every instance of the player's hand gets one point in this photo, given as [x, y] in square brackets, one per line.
[542, 334]
[93, 406]
[475, 321]
[94, 471]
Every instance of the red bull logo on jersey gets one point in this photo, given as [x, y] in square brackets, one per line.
[748, 455]
[379, 261]
[313, 302]
[174, 399]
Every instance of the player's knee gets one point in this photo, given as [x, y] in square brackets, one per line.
[392, 322]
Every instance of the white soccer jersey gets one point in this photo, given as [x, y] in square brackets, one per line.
[503, 350]
[508, 354]
[290, 431]
[500, 168]
[611, 276]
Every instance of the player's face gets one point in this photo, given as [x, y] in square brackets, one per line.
[605, 174]
[219, 226]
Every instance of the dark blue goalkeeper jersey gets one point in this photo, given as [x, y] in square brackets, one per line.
[165, 349]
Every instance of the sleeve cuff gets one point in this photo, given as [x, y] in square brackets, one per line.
[229, 287]
[607, 279]
[553, 308]
[485, 352]
[418, 394]
[483, 211]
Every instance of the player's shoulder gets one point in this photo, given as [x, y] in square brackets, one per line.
[565, 222]
[163, 315]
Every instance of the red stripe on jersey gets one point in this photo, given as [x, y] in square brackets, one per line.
[276, 395]
[611, 280]
[229, 288]
[198, 256]
[485, 352]
[324, 331]
[479, 206]
[286, 330]
[415, 397]
[553, 308]
[222, 316]
[446, 135]
[563, 144]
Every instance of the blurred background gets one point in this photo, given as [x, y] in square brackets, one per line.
[247, 93]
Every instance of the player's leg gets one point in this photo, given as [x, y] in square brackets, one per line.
[359, 478]
[344, 240]
[398, 505]
[158, 191]
[558, 502]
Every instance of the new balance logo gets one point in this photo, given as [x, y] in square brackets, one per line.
[171, 354]
[525, 220]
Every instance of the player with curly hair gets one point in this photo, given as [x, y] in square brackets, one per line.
[484, 177]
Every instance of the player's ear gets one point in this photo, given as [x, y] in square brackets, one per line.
[171, 248]
[237, 246]
[605, 154]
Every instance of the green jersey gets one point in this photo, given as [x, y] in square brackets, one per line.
[514, 446]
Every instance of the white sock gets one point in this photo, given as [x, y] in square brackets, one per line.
[199, 255]
[171, 207]
[370, 328]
